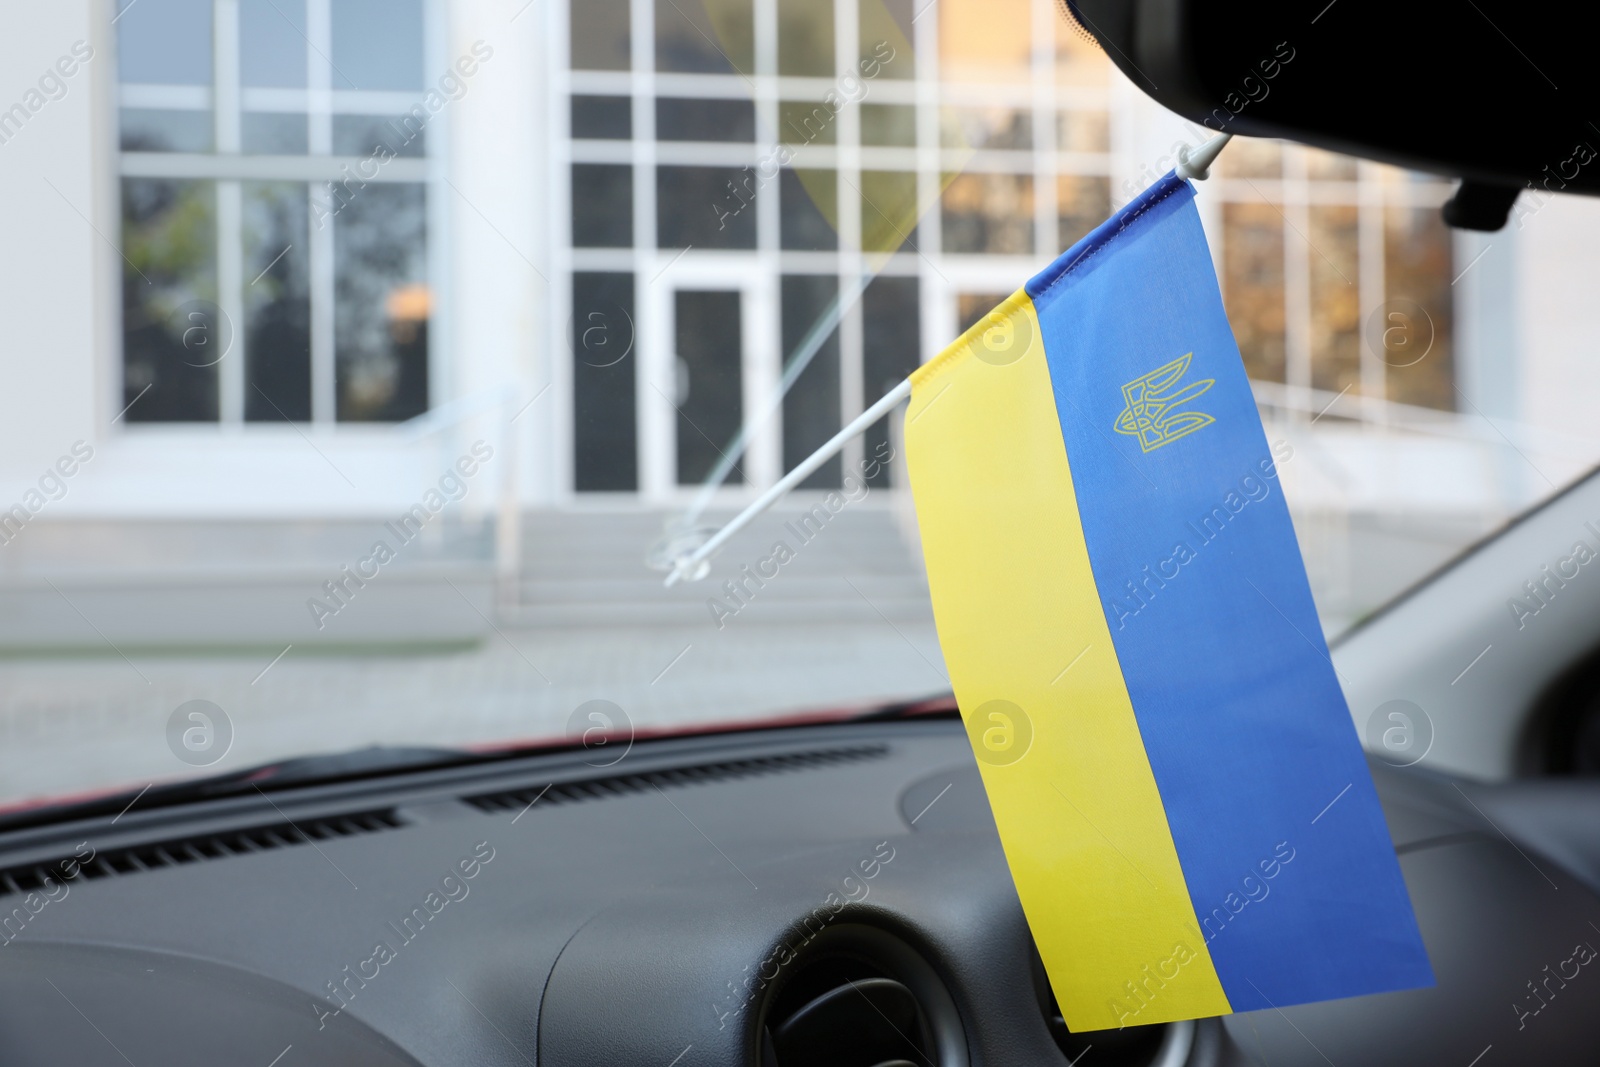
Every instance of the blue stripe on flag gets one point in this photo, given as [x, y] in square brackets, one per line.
[1196, 562]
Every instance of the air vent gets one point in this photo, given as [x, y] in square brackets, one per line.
[117, 862]
[606, 787]
[849, 1016]
[861, 998]
[1160, 1045]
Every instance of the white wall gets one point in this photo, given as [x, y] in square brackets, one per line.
[49, 250]
[59, 295]
[1533, 358]
[499, 208]
[1558, 296]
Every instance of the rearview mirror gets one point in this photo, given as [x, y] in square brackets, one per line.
[1496, 93]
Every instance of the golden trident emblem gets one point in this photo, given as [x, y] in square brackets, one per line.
[1153, 414]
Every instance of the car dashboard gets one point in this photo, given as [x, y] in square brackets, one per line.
[787, 897]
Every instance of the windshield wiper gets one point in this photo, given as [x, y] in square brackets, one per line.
[299, 771]
[309, 770]
[942, 706]
[379, 760]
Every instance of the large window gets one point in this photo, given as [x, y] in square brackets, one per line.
[274, 210]
[837, 178]
[875, 175]
[1337, 276]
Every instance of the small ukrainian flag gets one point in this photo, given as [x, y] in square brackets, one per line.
[1121, 602]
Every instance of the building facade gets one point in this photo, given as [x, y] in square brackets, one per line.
[283, 260]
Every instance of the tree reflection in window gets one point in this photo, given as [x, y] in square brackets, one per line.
[382, 305]
[277, 303]
[171, 329]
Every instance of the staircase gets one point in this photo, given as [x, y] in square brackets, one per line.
[587, 568]
[107, 585]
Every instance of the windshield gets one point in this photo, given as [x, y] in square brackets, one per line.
[368, 362]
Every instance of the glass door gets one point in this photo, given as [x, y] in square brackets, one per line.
[708, 425]
[708, 383]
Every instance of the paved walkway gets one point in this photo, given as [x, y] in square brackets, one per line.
[87, 722]
[846, 623]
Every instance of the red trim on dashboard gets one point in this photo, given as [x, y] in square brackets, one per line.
[909, 710]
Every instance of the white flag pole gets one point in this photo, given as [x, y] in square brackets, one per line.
[694, 565]
[1194, 166]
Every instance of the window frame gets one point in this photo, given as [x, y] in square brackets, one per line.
[941, 277]
[227, 167]
[1122, 154]
[1374, 190]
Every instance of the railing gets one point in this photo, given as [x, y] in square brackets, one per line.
[1291, 403]
[1382, 492]
[444, 421]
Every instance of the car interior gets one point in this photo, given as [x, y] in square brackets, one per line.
[826, 888]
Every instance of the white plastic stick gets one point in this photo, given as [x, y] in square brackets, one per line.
[685, 566]
[1195, 166]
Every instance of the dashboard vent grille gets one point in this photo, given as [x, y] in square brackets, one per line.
[1151, 1045]
[860, 997]
[88, 863]
[619, 785]
[865, 1019]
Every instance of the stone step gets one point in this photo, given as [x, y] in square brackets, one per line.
[589, 568]
[727, 564]
[697, 614]
[869, 587]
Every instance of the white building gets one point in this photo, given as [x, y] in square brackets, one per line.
[278, 264]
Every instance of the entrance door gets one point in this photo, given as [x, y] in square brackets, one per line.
[710, 372]
[708, 383]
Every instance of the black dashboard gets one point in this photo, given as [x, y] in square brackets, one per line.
[830, 894]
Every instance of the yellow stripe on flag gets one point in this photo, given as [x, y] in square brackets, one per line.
[1040, 688]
